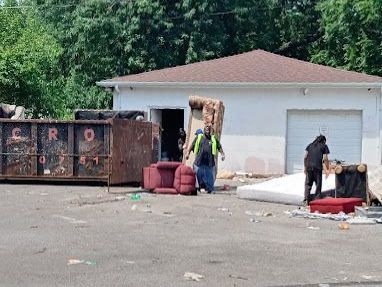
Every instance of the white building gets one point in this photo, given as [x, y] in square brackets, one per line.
[275, 106]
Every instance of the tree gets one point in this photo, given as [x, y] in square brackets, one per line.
[28, 61]
[352, 37]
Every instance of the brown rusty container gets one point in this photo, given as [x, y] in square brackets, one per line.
[112, 151]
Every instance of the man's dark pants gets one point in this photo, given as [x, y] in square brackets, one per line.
[313, 176]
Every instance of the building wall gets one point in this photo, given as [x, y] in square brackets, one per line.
[255, 120]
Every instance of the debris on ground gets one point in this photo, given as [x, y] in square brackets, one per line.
[361, 221]
[193, 276]
[77, 261]
[305, 214]
[135, 197]
[313, 227]
[287, 189]
[134, 207]
[70, 219]
[367, 277]
[374, 181]
[120, 198]
[343, 226]
[130, 262]
[368, 211]
[237, 277]
[254, 220]
[224, 174]
[223, 209]
[40, 251]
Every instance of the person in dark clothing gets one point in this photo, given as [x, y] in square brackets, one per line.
[181, 141]
[316, 153]
[205, 147]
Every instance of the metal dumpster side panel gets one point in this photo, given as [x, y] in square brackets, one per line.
[131, 150]
[90, 150]
[17, 147]
[53, 157]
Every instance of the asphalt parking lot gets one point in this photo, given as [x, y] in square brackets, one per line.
[84, 236]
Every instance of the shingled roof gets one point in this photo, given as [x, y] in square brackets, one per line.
[257, 66]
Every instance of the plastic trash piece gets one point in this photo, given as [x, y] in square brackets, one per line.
[313, 227]
[193, 276]
[135, 197]
[77, 261]
[343, 226]
[361, 221]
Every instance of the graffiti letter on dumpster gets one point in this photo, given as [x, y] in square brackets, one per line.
[41, 159]
[89, 135]
[16, 133]
[52, 134]
[95, 160]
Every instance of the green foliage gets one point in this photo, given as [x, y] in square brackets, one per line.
[53, 51]
[28, 60]
[352, 36]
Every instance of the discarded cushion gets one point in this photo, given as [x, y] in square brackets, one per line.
[335, 205]
[165, 190]
[184, 180]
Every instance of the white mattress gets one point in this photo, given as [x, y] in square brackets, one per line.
[288, 189]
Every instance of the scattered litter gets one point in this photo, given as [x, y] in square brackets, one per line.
[254, 220]
[241, 180]
[230, 213]
[70, 219]
[130, 262]
[367, 277]
[361, 221]
[305, 214]
[193, 276]
[379, 220]
[237, 277]
[313, 227]
[76, 261]
[167, 212]
[134, 207]
[135, 197]
[41, 251]
[223, 209]
[249, 213]
[99, 195]
[267, 214]
[33, 226]
[226, 187]
[343, 226]
[120, 198]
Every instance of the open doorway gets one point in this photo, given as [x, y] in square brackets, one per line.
[170, 121]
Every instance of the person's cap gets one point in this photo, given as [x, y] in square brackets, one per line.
[198, 132]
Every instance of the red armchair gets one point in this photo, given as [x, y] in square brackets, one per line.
[169, 178]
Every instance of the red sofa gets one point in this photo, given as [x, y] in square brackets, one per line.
[169, 178]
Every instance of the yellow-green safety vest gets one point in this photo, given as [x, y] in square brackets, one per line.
[214, 144]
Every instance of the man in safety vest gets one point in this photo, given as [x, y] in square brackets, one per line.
[205, 147]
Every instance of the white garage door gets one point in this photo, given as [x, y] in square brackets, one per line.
[343, 131]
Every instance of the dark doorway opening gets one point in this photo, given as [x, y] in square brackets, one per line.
[171, 120]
